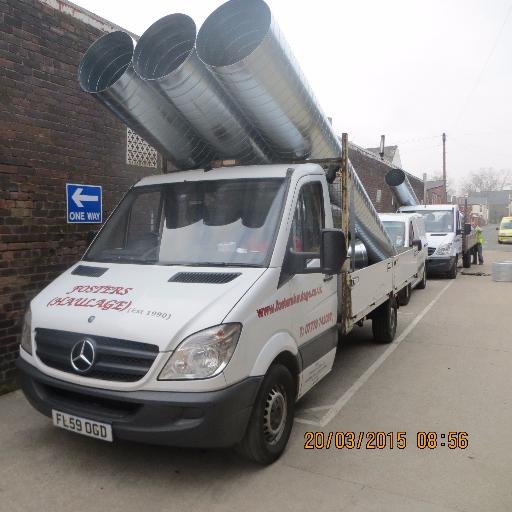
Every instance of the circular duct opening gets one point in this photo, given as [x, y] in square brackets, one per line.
[395, 177]
[233, 31]
[105, 62]
[164, 46]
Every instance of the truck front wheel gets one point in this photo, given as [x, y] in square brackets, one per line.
[384, 322]
[452, 273]
[271, 419]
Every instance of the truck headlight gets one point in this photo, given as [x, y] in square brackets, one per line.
[203, 354]
[26, 332]
[444, 249]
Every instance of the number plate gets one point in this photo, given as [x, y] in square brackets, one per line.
[82, 426]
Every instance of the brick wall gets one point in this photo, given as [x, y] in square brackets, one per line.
[372, 171]
[51, 133]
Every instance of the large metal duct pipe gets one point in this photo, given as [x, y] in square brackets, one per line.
[243, 46]
[106, 72]
[401, 187]
[368, 226]
[165, 56]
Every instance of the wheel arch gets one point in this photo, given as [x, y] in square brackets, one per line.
[280, 348]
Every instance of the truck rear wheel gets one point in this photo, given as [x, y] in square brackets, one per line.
[404, 295]
[466, 259]
[423, 283]
[271, 419]
[384, 322]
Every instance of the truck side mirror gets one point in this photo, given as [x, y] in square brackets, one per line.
[333, 251]
[418, 244]
[467, 229]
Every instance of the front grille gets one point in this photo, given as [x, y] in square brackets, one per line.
[81, 403]
[115, 359]
[204, 277]
[431, 250]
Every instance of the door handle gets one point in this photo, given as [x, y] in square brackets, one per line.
[328, 278]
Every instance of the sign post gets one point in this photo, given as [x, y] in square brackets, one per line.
[84, 204]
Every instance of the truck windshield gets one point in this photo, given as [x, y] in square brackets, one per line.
[197, 223]
[437, 221]
[396, 231]
[506, 224]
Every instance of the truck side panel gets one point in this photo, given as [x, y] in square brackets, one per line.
[371, 286]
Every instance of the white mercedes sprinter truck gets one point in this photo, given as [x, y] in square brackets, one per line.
[205, 307]
[406, 231]
[449, 239]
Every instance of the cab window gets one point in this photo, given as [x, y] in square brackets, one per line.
[308, 220]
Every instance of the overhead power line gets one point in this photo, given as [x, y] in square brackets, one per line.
[484, 67]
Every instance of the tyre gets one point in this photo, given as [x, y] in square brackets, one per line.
[271, 419]
[452, 273]
[500, 242]
[423, 283]
[404, 295]
[384, 322]
[466, 260]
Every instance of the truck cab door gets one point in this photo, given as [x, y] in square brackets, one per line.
[314, 294]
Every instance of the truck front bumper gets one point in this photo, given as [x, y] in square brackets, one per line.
[205, 420]
[440, 264]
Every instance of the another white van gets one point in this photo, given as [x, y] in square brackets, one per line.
[407, 230]
[449, 240]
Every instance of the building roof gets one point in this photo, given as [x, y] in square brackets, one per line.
[376, 157]
[85, 16]
[477, 200]
[389, 152]
[434, 184]
[496, 197]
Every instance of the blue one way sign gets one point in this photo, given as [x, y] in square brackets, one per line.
[84, 204]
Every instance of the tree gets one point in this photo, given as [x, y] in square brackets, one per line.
[487, 179]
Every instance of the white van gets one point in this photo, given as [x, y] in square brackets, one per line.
[449, 241]
[206, 306]
[407, 230]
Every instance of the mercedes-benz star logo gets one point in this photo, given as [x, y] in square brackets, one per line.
[83, 355]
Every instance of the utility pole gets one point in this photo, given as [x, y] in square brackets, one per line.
[444, 169]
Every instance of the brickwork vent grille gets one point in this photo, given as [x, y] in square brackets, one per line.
[204, 277]
[139, 152]
[87, 271]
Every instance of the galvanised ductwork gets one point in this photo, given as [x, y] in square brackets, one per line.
[368, 227]
[106, 72]
[244, 48]
[242, 45]
[165, 57]
[401, 187]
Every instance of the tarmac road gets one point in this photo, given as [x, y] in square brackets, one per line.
[449, 370]
[491, 240]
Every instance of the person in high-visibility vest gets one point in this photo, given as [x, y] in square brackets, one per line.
[479, 244]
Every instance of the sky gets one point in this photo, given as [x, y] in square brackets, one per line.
[408, 69]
